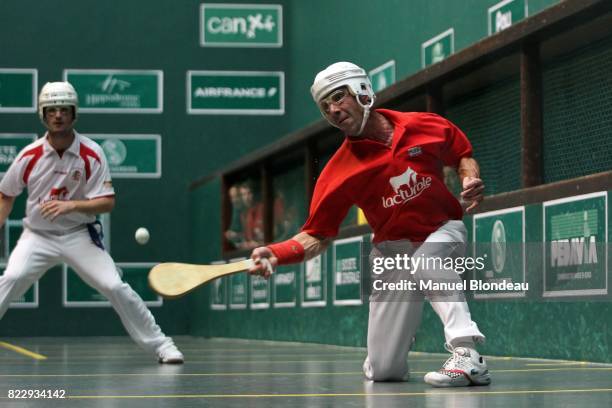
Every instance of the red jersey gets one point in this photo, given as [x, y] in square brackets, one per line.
[400, 188]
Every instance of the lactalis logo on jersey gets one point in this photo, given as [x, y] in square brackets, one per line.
[58, 193]
[406, 186]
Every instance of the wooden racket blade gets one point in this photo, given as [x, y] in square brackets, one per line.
[172, 280]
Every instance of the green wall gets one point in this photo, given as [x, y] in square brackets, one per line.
[371, 33]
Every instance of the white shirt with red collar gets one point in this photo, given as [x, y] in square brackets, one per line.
[80, 173]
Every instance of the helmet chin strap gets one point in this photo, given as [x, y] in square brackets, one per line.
[366, 113]
[364, 120]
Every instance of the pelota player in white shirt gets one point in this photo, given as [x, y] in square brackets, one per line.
[68, 183]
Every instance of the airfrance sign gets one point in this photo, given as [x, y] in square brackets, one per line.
[236, 92]
[241, 25]
[117, 91]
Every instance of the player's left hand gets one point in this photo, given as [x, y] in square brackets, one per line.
[50, 210]
[472, 193]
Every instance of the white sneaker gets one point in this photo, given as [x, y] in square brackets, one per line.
[169, 354]
[465, 367]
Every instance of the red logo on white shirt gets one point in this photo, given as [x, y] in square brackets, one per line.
[58, 193]
[406, 187]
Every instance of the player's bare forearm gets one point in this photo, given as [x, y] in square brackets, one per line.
[468, 167]
[52, 209]
[266, 260]
[473, 187]
[6, 206]
[313, 246]
[96, 206]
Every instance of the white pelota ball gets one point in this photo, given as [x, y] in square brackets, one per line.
[142, 235]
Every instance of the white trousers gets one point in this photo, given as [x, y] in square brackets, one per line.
[392, 324]
[35, 253]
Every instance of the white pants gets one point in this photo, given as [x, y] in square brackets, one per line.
[35, 253]
[393, 324]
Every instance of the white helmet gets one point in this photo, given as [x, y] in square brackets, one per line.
[345, 74]
[57, 94]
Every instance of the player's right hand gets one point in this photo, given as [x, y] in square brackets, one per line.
[472, 193]
[265, 262]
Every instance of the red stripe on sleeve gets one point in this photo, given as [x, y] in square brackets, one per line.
[36, 154]
[85, 153]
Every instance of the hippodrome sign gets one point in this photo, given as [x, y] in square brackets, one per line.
[218, 291]
[347, 271]
[285, 285]
[314, 281]
[241, 25]
[76, 293]
[10, 146]
[382, 76]
[117, 91]
[438, 48]
[260, 292]
[575, 251]
[505, 13]
[498, 239]
[131, 156]
[238, 288]
[236, 92]
[18, 90]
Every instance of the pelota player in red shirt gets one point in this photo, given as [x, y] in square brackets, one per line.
[391, 166]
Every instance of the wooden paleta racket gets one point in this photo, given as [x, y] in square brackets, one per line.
[172, 280]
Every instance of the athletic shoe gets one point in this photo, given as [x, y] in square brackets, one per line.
[167, 353]
[465, 367]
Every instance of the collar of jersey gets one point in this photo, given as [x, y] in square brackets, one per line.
[73, 149]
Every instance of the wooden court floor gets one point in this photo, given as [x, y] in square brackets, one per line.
[114, 372]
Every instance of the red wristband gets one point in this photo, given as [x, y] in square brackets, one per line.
[288, 252]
